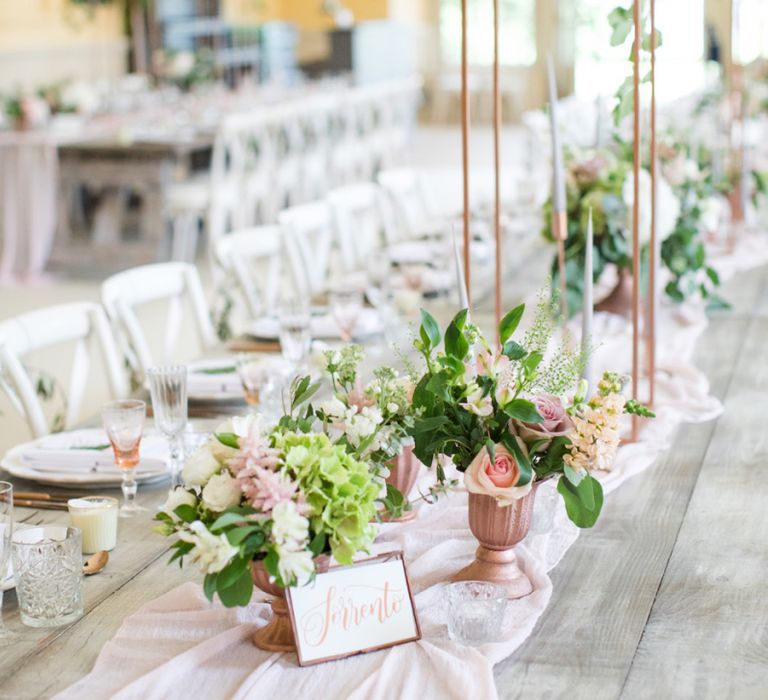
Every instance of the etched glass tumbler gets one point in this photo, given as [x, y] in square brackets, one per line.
[475, 612]
[48, 566]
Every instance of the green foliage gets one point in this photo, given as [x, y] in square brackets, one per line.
[583, 501]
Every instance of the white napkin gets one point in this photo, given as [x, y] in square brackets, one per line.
[325, 326]
[67, 452]
[202, 383]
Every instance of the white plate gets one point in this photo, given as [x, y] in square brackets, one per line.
[13, 463]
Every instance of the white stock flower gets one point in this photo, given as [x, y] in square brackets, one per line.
[221, 492]
[668, 206]
[178, 496]
[359, 426]
[200, 467]
[289, 527]
[295, 566]
[211, 552]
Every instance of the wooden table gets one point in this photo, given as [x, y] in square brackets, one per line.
[663, 598]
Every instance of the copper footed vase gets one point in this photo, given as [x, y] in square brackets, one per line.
[404, 471]
[277, 634]
[619, 301]
[499, 529]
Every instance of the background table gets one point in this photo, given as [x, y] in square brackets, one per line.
[666, 592]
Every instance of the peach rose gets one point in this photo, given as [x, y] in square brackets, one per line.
[555, 424]
[498, 478]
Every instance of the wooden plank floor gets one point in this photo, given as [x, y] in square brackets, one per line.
[665, 598]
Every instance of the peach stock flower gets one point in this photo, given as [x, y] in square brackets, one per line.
[498, 478]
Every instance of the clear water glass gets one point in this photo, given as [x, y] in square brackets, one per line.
[346, 306]
[6, 531]
[256, 378]
[168, 388]
[48, 566]
[295, 333]
[475, 612]
[124, 424]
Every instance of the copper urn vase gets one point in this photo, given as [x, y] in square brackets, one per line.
[277, 634]
[498, 529]
[404, 471]
[619, 301]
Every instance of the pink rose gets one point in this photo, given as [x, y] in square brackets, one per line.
[498, 478]
[555, 424]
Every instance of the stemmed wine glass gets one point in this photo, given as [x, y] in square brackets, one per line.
[295, 333]
[168, 387]
[346, 305]
[124, 424]
[6, 530]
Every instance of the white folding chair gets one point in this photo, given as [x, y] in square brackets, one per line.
[215, 199]
[308, 239]
[171, 282]
[78, 323]
[253, 258]
[410, 199]
[357, 220]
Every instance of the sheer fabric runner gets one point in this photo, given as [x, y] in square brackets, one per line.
[181, 639]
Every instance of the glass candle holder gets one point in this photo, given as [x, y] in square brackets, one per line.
[475, 612]
[48, 566]
[96, 518]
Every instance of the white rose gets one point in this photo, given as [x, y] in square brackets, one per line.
[211, 552]
[200, 467]
[711, 214]
[221, 492]
[334, 408]
[295, 566]
[289, 527]
[668, 206]
[178, 496]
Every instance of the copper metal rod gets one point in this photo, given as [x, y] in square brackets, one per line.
[497, 162]
[653, 262]
[465, 149]
[636, 213]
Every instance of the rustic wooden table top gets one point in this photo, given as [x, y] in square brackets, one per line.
[665, 597]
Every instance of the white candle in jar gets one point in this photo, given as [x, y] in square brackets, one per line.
[96, 518]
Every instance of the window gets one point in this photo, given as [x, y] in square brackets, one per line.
[517, 30]
[750, 30]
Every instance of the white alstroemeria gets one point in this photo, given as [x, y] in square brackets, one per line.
[295, 566]
[334, 408]
[200, 467]
[178, 496]
[289, 527]
[211, 552]
[477, 403]
[221, 492]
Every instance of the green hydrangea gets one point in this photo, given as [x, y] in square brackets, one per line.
[340, 491]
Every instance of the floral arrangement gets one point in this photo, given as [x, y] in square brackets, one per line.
[501, 416]
[279, 496]
[602, 181]
[26, 109]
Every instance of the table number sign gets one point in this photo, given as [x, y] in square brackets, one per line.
[354, 609]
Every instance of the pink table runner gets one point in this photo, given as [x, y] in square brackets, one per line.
[183, 636]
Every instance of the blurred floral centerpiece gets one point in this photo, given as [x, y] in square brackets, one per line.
[503, 417]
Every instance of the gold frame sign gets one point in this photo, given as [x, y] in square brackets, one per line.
[354, 609]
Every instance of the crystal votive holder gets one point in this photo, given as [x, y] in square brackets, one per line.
[96, 518]
[475, 612]
[48, 567]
